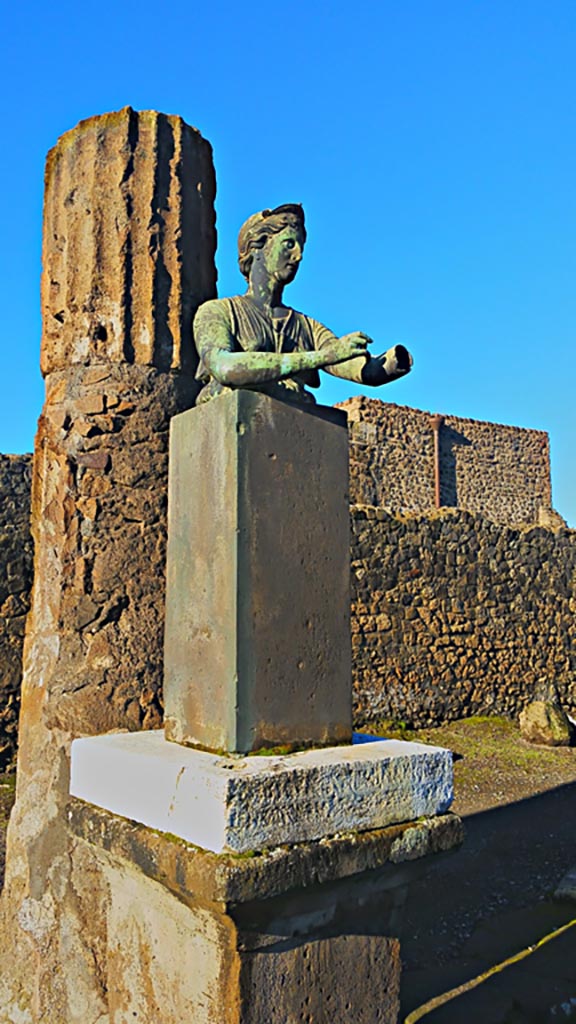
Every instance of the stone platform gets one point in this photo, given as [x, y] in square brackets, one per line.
[242, 804]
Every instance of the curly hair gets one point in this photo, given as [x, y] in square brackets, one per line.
[256, 231]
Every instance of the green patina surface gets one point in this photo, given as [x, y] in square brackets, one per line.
[276, 349]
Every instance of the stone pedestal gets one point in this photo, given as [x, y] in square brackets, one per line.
[294, 934]
[257, 643]
[255, 890]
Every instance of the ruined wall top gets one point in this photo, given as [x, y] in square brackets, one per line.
[129, 241]
[501, 472]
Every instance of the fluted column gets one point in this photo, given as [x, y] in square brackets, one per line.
[129, 241]
[128, 255]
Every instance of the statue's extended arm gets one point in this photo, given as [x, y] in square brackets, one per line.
[232, 368]
[376, 370]
[369, 370]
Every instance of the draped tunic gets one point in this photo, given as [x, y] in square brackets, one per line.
[237, 324]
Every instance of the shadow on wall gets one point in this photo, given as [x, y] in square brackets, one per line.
[450, 441]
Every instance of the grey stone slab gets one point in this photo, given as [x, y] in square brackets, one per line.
[257, 643]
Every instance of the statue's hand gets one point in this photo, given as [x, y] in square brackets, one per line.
[394, 363]
[348, 347]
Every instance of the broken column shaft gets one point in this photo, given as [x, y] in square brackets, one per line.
[128, 253]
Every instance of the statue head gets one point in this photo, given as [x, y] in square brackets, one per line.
[260, 227]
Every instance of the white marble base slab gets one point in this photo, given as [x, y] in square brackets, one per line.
[237, 804]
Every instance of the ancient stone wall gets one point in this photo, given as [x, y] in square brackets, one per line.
[454, 615]
[498, 471]
[15, 582]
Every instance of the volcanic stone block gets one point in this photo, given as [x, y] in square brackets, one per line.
[257, 643]
[16, 556]
[545, 722]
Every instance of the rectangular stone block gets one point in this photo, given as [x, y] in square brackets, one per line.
[241, 804]
[257, 642]
[168, 955]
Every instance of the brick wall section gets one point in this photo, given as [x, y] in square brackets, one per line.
[498, 471]
[453, 615]
[15, 583]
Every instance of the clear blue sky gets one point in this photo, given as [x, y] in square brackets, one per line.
[432, 143]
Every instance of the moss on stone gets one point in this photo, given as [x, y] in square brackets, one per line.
[493, 764]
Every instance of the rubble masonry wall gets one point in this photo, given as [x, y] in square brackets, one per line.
[498, 471]
[454, 615]
[16, 556]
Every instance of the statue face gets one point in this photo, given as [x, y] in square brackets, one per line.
[282, 254]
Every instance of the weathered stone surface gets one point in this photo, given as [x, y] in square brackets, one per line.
[99, 512]
[129, 242]
[229, 878]
[243, 804]
[344, 977]
[257, 646]
[545, 722]
[500, 472]
[168, 960]
[15, 584]
[165, 961]
[93, 652]
[273, 938]
[454, 615]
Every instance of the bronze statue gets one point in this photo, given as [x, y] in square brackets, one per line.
[254, 341]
